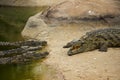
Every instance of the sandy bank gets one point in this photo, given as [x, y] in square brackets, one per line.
[92, 65]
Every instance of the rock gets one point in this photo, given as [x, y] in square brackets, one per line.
[29, 2]
[34, 25]
[78, 10]
[105, 11]
[88, 68]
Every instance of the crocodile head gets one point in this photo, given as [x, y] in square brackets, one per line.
[77, 47]
[69, 44]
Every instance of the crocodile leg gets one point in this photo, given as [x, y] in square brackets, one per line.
[103, 47]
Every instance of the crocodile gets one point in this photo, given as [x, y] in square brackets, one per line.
[23, 58]
[97, 39]
[19, 50]
[24, 43]
[23, 51]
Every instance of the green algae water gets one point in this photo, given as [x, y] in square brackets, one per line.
[18, 72]
[12, 22]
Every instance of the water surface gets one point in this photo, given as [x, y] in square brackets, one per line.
[12, 22]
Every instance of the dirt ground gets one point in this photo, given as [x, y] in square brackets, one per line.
[92, 65]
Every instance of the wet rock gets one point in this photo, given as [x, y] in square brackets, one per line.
[105, 11]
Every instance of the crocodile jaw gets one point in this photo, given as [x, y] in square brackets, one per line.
[74, 51]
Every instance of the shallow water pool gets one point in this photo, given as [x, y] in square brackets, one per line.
[12, 21]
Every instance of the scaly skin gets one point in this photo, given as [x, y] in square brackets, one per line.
[18, 51]
[24, 51]
[23, 58]
[24, 43]
[97, 39]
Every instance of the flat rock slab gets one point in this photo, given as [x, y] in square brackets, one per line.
[107, 11]
[93, 65]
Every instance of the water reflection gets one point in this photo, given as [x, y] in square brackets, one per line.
[18, 72]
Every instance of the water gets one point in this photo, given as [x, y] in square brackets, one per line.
[12, 22]
[17, 72]
[13, 19]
